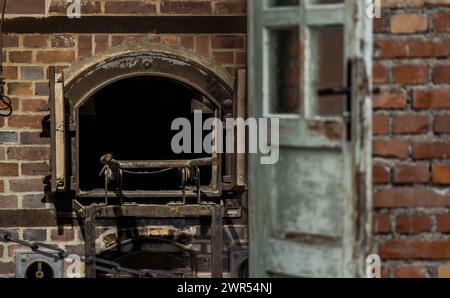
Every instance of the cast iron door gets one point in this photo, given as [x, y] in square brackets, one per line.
[308, 67]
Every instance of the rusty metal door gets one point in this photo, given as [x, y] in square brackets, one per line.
[310, 211]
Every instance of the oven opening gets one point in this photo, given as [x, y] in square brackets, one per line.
[165, 258]
[131, 120]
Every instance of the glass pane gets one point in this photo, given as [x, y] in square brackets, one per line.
[277, 3]
[326, 1]
[328, 63]
[284, 70]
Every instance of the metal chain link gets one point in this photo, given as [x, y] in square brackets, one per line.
[57, 253]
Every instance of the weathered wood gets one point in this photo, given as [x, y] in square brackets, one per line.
[303, 209]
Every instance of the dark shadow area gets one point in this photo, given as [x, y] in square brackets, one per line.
[131, 119]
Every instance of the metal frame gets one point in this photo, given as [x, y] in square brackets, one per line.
[212, 211]
[211, 83]
[160, 64]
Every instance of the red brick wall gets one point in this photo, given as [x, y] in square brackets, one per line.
[25, 148]
[412, 138]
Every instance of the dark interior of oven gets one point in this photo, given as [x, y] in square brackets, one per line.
[131, 119]
[160, 254]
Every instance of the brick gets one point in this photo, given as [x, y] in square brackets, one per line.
[390, 148]
[380, 174]
[84, 46]
[41, 89]
[63, 41]
[412, 48]
[35, 105]
[2, 186]
[411, 173]
[409, 23]
[35, 169]
[35, 41]
[7, 267]
[227, 42]
[378, 25]
[20, 56]
[129, 7]
[26, 7]
[240, 58]
[8, 202]
[431, 149]
[410, 124]
[410, 74]
[34, 138]
[117, 40]
[187, 42]
[54, 56]
[25, 121]
[443, 223]
[415, 249]
[410, 224]
[28, 153]
[11, 72]
[224, 57]
[35, 234]
[10, 41]
[236, 7]
[441, 22]
[34, 201]
[26, 185]
[390, 100]
[379, 74]
[441, 74]
[8, 137]
[170, 39]
[442, 123]
[408, 198]
[13, 248]
[443, 271]
[202, 45]
[411, 272]
[9, 169]
[101, 43]
[441, 174]
[185, 7]
[19, 89]
[381, 224]
[63, 236]
[431, 98]
[87, 7]
[31, 73]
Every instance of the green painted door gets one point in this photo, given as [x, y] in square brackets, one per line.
[308, 66]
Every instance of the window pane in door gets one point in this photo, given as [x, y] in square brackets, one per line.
[283, 72]
[328, 65]
[326, 1]
[278, 3]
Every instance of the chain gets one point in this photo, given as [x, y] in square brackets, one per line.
[57, 253]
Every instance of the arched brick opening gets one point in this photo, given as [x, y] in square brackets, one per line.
[86, 78]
